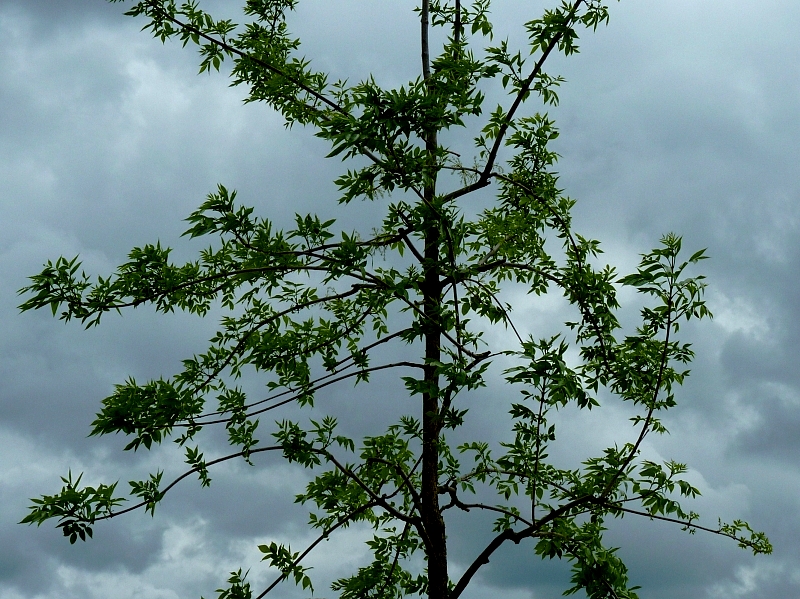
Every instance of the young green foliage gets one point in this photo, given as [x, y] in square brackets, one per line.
[314, 306]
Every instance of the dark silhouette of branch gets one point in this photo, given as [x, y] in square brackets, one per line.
[516, 537]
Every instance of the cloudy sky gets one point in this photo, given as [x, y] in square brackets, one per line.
[682, 115]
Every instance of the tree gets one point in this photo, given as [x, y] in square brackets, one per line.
[314, 306]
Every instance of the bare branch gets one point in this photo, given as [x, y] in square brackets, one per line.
[456, 502]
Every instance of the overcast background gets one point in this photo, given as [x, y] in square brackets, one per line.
[682, 115]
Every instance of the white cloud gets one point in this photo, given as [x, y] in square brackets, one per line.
[749, 581]
[738, 315]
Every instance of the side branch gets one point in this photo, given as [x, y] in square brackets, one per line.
[689, 525]
[456, 502]
[229, 49]
[380, 500]
[649, 418]
[189, 473]
[486, 173]
[516, 537]
[523, 93]
[343, 520]
[588, 315]
[297, 394]
[406, 481]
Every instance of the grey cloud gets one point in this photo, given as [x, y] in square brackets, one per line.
[52, 17]
[776, 434]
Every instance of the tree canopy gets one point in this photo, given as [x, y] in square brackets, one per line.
[314, 305]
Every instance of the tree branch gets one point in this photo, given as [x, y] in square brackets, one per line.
[388, 578]
[456, 502]
[686, 523]
[189, 473]
[522, 94]
[510, 535]
[587, 314]
[655, 392]
[486, 173]
[312, 389]
[502, 308]
[406, 481]
[228, 48]
[379, 500]
[316, 542]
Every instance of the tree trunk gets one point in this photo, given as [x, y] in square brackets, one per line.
[431, 515]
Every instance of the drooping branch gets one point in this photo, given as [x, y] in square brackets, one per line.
[566, 230]
[230, 49]
[189, 473]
